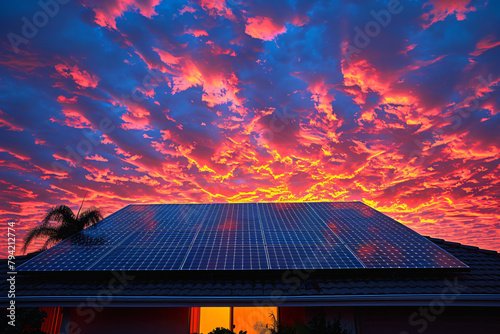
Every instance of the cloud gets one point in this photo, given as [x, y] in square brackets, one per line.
[485, 44]
[217, 8]
[82, 78]
[166, 101]
[263, 28]
[440, 9]
[106, 11]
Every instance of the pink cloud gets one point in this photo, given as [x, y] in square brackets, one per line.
[187, 9]
[82, 78]
[300, 20]
[218, 87]
[97, 157]
[264, 28]
[73, 119]
[106, 11]
[8, 124]
[66, 100]
[443, 8]
[485, 44]
[136, 119]
[197, 32]
[217, 8]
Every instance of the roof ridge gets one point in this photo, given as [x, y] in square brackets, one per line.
[457, 244]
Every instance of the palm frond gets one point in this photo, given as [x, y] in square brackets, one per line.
[37, 232]
[51, 241]
[90, 217]
[61, 213]
[68, 225]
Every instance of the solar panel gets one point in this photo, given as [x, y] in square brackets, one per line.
[312, 257]
[142, 258]
[235, 257]
[418, 255]
[244, 236]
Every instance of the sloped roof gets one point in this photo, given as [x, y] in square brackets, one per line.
[244, 236]
[480, 286]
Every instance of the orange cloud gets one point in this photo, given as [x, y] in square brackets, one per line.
[97, 157]
[361, 77]
[264, 28]
[218, 87]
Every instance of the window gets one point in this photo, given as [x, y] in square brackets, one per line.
[251, 319]
[212, 317]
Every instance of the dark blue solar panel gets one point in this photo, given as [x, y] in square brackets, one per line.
[234, 257]
[289, 216]
[155, 217]
[209, 237]
[371, 236]
[159, 238]
[142, 258]
[246, 236]
[293, 237]
[231, 217]
[425, 255]
[92, 237]
[66, 258]
[312, 257]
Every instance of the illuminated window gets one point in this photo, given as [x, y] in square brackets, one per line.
[213, 317]
[254, 320]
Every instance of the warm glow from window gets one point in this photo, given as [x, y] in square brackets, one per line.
[253, 319]
[213, 317]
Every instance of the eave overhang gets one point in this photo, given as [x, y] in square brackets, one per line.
[466, 300]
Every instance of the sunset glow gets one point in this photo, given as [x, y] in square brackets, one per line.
[127, 101]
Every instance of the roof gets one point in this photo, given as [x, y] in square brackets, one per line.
[478, 287]
[244, 236]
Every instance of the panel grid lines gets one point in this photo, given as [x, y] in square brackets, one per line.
[263, 237]
[88, 268]
[347, 247]
[192, 242]
[244, 236]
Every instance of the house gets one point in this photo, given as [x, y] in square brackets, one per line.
[188, 268]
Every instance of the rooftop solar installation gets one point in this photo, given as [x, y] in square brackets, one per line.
[244, 236]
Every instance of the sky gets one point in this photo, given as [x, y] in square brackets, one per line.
[395, 104]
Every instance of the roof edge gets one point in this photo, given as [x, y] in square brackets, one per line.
[459, 245]
[478, 300]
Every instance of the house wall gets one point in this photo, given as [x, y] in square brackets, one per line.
[346, 314]
[401, 320]
[125, 320]
[428, 320]
[290, 316]
[358, 320]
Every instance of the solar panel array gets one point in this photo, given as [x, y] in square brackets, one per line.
[244, 236]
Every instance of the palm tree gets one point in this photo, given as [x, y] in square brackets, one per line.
[69, 224]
